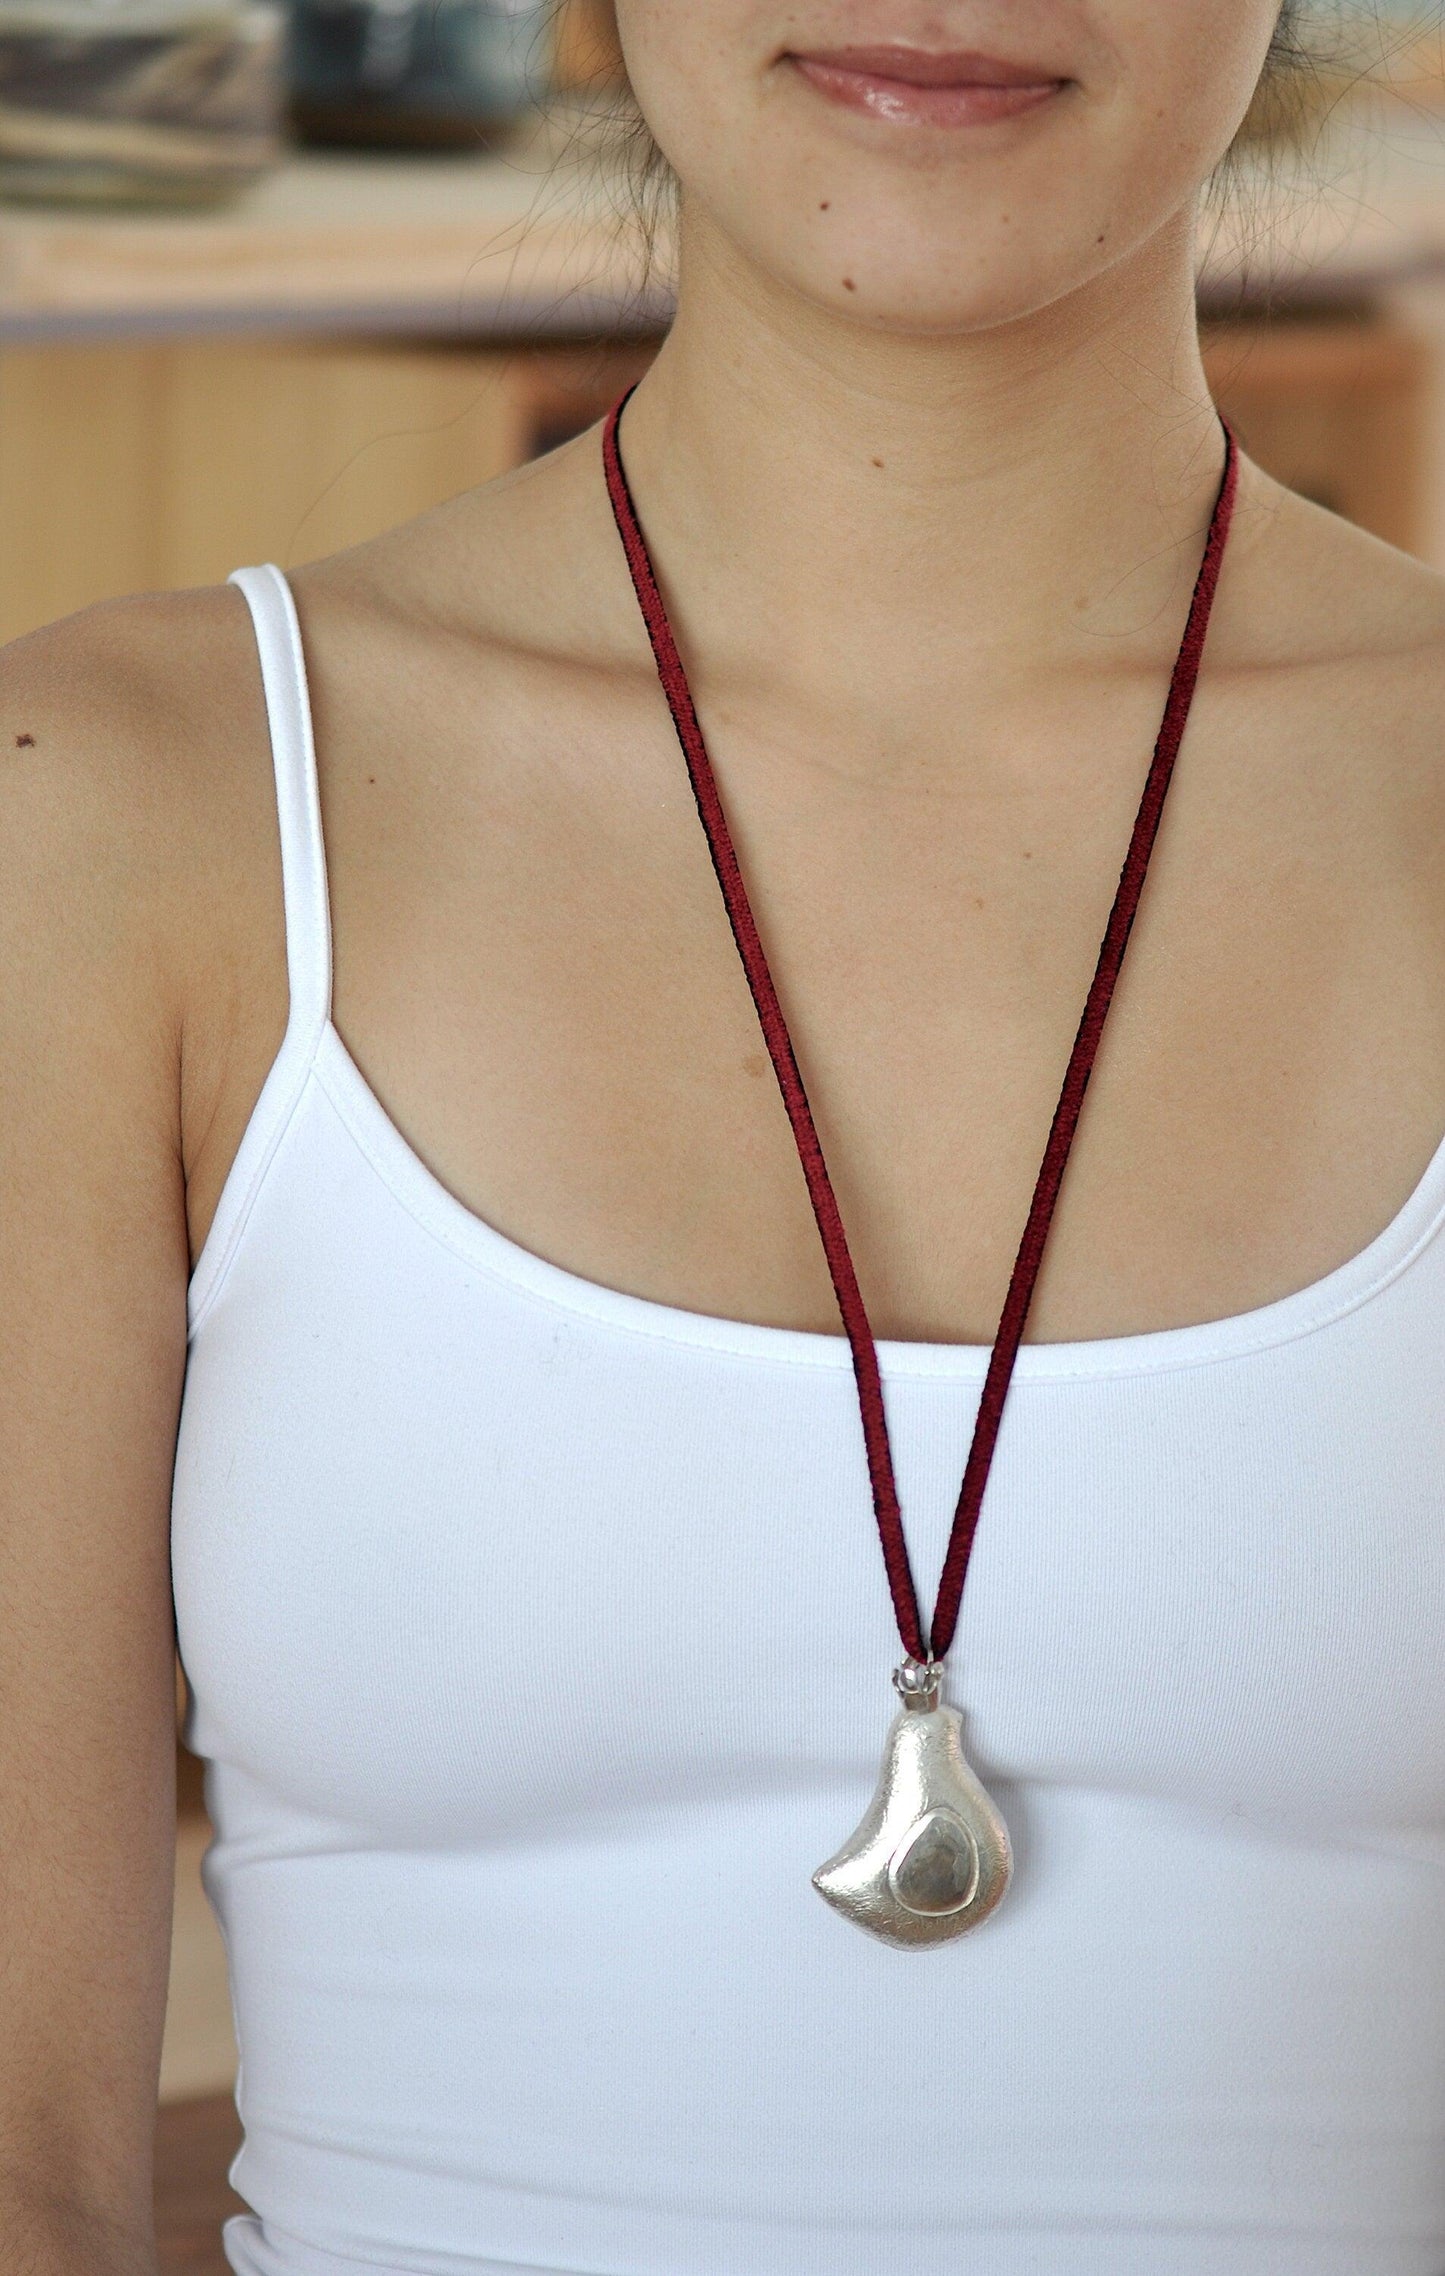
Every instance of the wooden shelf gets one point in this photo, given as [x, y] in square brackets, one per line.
[529, 239]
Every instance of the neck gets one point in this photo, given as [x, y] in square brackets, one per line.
[893, 518]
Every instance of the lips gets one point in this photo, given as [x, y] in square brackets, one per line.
[913, 86]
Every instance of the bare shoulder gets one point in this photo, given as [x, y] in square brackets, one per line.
[525, 567]
[1350, 620]
[1329, 677]
[138, 859]
[477, 676]
[117, 716]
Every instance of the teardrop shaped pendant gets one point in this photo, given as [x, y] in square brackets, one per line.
[931, 1857]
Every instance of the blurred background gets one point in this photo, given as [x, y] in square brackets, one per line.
[275, 274]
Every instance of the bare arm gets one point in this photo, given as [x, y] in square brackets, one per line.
[97, 905]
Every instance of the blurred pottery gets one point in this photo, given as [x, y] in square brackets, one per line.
[173, 102]
[416, 74]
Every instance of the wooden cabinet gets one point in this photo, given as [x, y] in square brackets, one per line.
[1336, 408]
[139, 466]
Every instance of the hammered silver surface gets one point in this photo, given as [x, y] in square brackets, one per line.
[931, 1857]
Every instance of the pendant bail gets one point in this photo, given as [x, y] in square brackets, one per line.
[919, 1684]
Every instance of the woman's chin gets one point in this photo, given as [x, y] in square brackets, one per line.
[923, 312]
[909, 251]
[926, 291]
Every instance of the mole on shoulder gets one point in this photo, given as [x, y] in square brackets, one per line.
[25, 742]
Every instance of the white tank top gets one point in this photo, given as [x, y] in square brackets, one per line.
[540, 1647]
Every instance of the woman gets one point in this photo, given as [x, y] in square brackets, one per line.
[527, 1587]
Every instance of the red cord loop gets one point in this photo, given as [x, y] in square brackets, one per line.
[795, 1098]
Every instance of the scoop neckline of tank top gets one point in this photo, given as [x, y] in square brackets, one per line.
[460, 1229]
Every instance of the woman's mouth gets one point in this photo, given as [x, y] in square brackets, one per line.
[915, 88]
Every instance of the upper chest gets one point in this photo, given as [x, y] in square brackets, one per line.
[534, 969]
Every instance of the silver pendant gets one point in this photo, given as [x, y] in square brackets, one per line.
[931, 1858]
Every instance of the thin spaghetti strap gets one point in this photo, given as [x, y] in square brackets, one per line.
[298, 805]
[308, 925]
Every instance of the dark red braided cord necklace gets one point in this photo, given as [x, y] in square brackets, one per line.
[795, 1098]
[931, 1857]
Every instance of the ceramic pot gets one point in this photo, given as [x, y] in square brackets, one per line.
[420, 74]
[175, 102]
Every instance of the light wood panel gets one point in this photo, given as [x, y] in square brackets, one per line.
[198, 2053]
[80, 448]
[1335, 409]
[124, 467]
[288, 452]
